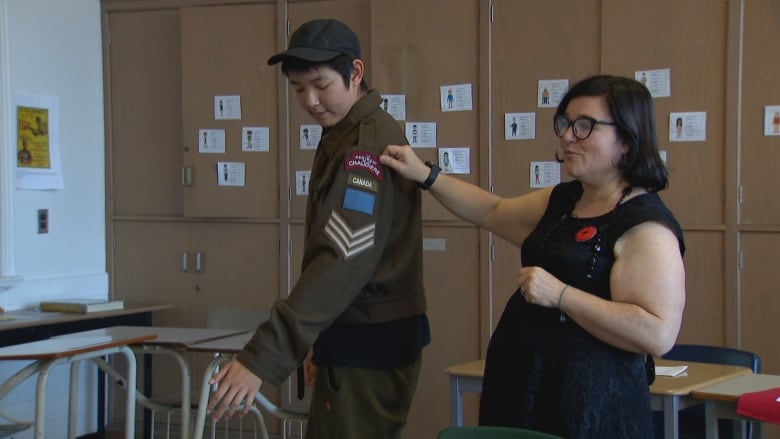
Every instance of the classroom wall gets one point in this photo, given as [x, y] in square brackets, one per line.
[52, 48]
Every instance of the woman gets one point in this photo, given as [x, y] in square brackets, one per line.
[602, 281]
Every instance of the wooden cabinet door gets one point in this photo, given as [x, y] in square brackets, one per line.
[223, 54]
[759, 154]
[240, 266]
[153, 266]
[143, 98]
[759, 237]
[689, 38]
[417, 48]
[532, 42]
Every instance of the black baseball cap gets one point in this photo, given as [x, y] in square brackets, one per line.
[320, 41]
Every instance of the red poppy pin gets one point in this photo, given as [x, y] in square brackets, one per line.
[585, 234]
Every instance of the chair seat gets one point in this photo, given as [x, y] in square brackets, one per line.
[299, 407]
[7, 430]
[492, 432]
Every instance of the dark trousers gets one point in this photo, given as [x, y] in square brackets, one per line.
[357, 403]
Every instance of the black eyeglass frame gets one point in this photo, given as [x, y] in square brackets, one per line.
[573, 125]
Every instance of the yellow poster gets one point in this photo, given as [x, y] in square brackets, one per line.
[33, 148]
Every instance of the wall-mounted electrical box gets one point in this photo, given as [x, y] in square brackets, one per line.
[43, 220]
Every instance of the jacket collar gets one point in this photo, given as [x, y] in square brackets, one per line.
[359, 112]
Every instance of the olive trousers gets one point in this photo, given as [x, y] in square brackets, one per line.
[358, 403]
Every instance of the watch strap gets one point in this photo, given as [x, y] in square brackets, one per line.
[435, 169]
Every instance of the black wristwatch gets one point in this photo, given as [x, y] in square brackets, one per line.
[431, 177]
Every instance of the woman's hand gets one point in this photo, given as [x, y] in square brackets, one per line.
[539, 286]
[403, 160]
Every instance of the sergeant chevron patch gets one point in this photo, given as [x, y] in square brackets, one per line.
[348, 241]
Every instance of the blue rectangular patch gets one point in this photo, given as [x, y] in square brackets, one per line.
[359, 201]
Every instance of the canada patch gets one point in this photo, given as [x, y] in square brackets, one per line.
[366, 161]
[359, 201]
[361, 182]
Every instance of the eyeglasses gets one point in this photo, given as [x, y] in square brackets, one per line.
[582, 126]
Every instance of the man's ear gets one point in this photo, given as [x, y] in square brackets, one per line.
[358, 69]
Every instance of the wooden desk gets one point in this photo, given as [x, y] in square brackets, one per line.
[46, 354]
[19, 326]
[227, 345]
[672, 394]
[169, 341]
[720, 400]
[31, 325]
[668, 394]
[466, 377]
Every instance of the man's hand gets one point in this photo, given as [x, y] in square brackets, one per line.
[309, 370]
[236, 386]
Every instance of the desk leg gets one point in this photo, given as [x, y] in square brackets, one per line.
[205, 391]
[147, 359]
[456, 402]
[131, 378]
[671, 412]
[40, 397]
[186, 403]
[73, 398]
[711, 420]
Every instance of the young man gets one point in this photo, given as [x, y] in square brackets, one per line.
[360, 299]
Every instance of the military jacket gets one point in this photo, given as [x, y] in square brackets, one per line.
[362, 256]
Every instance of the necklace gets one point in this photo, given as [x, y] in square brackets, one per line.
[593, 236]
[626, 192]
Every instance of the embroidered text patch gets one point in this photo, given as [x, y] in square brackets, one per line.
[365, 161]
[361, 182]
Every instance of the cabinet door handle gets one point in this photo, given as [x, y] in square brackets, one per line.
[186, 176]
[198, 266]
[184, 267]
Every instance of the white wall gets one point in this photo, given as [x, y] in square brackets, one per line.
[53, 48]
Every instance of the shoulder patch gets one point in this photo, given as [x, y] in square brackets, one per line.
[362, 182]
[359, 201]
[366, 161]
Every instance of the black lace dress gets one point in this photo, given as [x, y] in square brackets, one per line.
[548, 375]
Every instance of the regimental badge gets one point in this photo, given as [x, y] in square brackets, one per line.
[366, 161]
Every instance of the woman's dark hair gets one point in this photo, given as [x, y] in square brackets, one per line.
[341, 64]
[631, 107]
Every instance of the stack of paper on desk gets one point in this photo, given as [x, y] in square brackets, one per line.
[670, 371]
